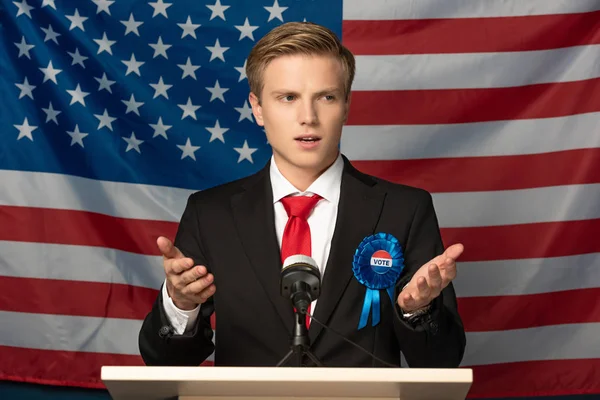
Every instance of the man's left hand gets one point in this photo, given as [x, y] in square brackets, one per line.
[428, 282]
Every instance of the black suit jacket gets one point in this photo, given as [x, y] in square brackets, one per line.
[231, 230]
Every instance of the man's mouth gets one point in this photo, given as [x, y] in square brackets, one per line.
[308, 139]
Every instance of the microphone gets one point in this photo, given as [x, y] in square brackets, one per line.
[300, 281]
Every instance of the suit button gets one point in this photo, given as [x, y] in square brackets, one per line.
[164, 331]
[434, 327]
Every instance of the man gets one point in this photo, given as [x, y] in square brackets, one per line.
[233, 239]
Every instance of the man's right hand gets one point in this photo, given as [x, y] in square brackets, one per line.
[187, 285]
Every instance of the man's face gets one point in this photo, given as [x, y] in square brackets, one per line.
[303, 109]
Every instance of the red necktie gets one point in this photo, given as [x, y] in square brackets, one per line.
[296, 235]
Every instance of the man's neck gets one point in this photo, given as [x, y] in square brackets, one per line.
[299, 177]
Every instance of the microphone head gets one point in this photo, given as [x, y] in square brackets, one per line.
[298, 259]
[300, 276]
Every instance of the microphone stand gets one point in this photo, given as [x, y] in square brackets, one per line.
[300, 344]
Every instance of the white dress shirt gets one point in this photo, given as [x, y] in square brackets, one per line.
[321, 222]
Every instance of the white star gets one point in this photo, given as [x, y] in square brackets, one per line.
[132, 25]
[77, 95]
[50, 34]
[217, 132]
[188, 150]
[132, 105]
[103, 6]
[49, 3]
[50, 73]
[242, 71]
[245, 112]
[217, 92]
[189, 28]
[246, 30]
[76, 136]
[104, 83]
[25, 130]
[77, 58]
[160, 129]
[275, 11]
[160, 49]
[189, 109]
[24, 48]
[24, 8]
[133, 143]
[104, 44]
[188, 69]
[245, 152]
[26, 89]
[133, 65]
[218, 10]
[51, 114]
[160, 89]
[76, 20]
[105, 120]
[160, 8]
[217, 51]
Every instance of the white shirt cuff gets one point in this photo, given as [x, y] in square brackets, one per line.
[181, 320]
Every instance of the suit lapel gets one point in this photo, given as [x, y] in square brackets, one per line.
[255, 222]
[361, 201]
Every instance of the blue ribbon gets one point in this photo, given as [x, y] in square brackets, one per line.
[373, 280]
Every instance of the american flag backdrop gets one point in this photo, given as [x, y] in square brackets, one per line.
[113, 111]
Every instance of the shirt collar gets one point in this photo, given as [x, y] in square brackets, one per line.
[327, 185]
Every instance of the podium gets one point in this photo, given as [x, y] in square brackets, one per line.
[253, 383]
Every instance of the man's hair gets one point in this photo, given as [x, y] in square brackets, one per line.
[293, 38]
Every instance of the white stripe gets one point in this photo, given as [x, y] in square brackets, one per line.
[420, 9]
[476, 70]
[507, 207]
[527, 276]
[481, 278]
[80, 263]
[38, 189]
[69, 333]
[556, 342]
[497, 138]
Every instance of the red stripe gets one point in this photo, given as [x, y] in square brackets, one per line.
[63, 368]
[451, 106]
[553, 239]
[536, 378]
[495, 313]
[537, 240]
[94, 299]
[29, 224]
[471, 35]
[470, 174]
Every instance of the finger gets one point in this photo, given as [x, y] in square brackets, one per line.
[435, 277]
[167, 248]
[177, 265]
[449, 270]
[406, 301]
[454, 251]
[193, 274]
[196, 287]
[206, 293]
[423, 289]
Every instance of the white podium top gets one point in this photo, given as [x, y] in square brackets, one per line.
[263, 382]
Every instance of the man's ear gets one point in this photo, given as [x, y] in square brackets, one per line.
[256, 108]
[347, 107]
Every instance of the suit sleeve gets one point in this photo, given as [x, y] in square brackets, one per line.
[438, 339]
[158, 343]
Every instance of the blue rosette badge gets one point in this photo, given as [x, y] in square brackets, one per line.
[378, 262]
